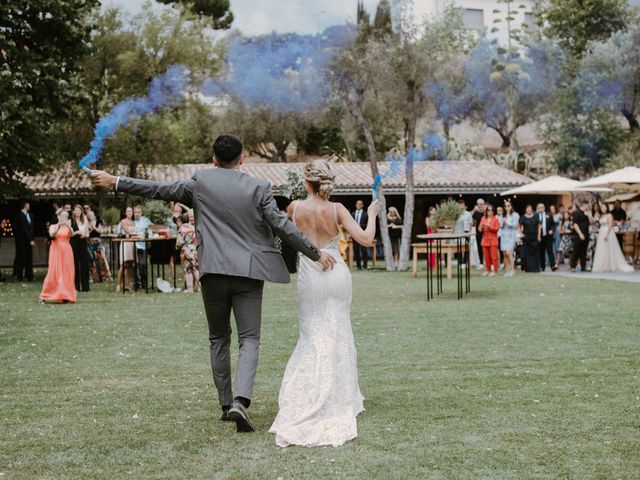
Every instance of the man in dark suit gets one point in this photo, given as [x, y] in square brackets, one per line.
[360, 253]
[23, 263]
[236, 218]
[580, 236]
[546, 238]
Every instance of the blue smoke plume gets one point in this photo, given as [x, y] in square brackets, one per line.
[282, 72]
[434, 147]
[164, 90]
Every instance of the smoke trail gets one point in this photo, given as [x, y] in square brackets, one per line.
[166, 89]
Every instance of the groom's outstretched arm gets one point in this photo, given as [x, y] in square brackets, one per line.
[180, 191]
[285, 229]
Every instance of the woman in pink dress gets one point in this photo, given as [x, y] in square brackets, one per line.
[59, 284]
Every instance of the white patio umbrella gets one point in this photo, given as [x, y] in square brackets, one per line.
[627, 178]
[554, 185]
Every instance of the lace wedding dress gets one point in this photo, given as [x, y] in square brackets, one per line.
[320, 397]
[608, 256]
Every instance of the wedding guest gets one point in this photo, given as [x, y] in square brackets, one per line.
[463, 226]
[546, 238]
[500, 215]
[530, 230]
[176, 209]
[580, 240]
[508, 237]
[25, 241]
[489, 227]
[618, 213]
[189, 257]
[360, 253]
[557, 215]
[126, 227]
[67, 208]
[141, 224]
[80, 248]
[56, 206]
[59, 284]
[566, 242]
[478, 214]
[394, 222]
[608, 255]
[594, 228]
[431, 229]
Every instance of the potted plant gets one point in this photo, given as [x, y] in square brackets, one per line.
[447, 213]
[157, 211]
[111, 217]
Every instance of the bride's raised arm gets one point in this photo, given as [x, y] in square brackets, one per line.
[363, 237]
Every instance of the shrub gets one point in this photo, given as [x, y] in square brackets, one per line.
[157, 211]
[111, 216]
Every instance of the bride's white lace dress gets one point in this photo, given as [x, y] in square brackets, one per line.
[608, 256]
[320, 397]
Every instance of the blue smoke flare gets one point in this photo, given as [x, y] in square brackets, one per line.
[164, 90]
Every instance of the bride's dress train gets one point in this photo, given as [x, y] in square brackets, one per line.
[608, 256]
[320, 397]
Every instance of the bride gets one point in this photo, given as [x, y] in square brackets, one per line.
[320, 397]
[608, 256]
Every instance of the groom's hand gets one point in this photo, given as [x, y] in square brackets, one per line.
[103, 179]
[327, 261]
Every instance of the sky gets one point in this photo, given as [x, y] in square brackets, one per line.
[257, 17]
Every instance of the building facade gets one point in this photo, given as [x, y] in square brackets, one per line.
[480, 15]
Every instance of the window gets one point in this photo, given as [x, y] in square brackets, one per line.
[530, 22]
[473, 19]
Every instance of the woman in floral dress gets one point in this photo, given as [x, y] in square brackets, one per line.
[186, 242]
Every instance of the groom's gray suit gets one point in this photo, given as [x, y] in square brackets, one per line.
[236, 217]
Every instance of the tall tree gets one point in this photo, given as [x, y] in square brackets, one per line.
[575, 23]
[610, 76]
[382, 22]
[41, 45]
[125, 57]
[580, 138]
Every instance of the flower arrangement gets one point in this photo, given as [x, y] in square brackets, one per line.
[295, 185]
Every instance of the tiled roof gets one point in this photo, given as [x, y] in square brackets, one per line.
[351, 177]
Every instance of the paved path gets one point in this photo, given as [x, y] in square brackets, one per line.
[621, 277]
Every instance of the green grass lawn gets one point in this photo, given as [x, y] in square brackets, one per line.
[532, 377]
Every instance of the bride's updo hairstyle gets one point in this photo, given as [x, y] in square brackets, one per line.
[320, 176]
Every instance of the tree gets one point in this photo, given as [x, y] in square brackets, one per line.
[124, 58]
[217, 11]
[575, 23]
[265, 132]
[352, 86]
[382, 24]
[41, 45]
[610, 76]
[580, 135]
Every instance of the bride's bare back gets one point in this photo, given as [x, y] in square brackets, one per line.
[318, 220]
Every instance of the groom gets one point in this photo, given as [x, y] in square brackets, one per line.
[236, 216]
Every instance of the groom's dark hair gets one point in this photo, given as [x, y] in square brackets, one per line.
[227, 150]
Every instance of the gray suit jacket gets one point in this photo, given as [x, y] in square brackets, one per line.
[236, 217]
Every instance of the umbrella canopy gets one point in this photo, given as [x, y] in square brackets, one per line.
[627, 178]
[554, 185]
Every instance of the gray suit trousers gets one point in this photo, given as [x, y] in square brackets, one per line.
[221, 294]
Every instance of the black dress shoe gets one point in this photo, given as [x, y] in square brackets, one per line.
[224, 416]
[238, 414]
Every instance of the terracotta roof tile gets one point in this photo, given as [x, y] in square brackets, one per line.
[430, 177]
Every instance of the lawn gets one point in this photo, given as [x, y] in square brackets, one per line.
[532, 377]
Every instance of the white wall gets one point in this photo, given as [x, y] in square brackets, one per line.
[436, 7]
